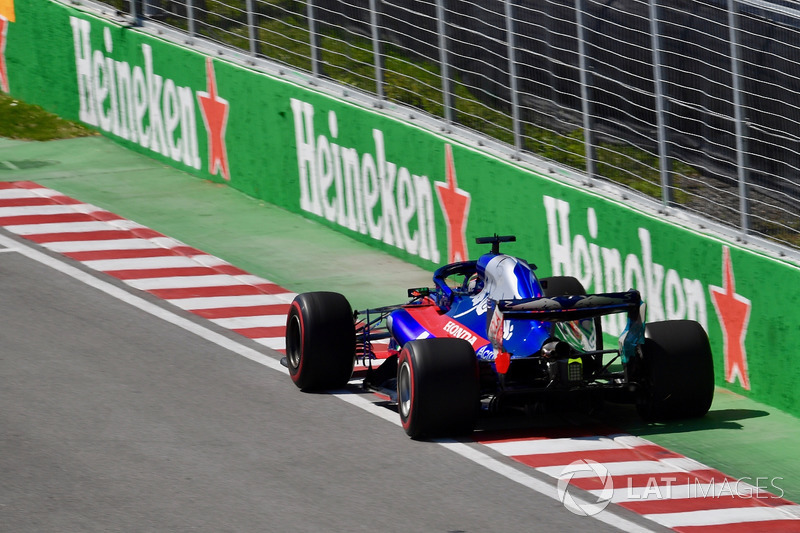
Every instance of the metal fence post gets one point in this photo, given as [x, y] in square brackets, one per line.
[447, 97]
[251, 27]
[586, 108]
[190, 18]
[664, 164]
[512, 75]
[313, 38]
[377, 49]
[738, 120]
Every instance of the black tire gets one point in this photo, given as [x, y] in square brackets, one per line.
[569, 286]
[561, 286]
[677, 371]
[437, 387]
[320, 341]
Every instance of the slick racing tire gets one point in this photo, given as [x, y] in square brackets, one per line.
[320, 341]
[437, 387]
[677, 371]
[561, 286]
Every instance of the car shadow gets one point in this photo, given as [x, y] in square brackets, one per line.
[612, 419]
[714, 419]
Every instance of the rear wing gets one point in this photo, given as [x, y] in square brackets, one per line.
[568, 308]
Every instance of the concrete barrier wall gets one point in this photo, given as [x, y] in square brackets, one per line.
[399, 187]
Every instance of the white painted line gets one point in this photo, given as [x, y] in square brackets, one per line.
[223, 302]
[276, 343]
[166, 242]
[142, 263]
[476, 456]
[252, 279]
[685, 463]
[623, 468]
[59, 227]
[124, 223]
[50, 209]
[44, 191]
[210, 260]
[631, 441]
[672, 490]
[14, 194]
[88, 208]
[724, 516]
[185, 282]
[65, 247]
[258, 321]
[578, 444]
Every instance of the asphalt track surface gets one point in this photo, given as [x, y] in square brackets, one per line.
[135, 424]
[115, 420]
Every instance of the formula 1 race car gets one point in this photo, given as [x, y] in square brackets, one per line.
[492, 335]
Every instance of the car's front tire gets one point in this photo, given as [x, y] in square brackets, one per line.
[320, 341]
[437, 387]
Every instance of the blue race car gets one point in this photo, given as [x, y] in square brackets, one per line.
[491, 335]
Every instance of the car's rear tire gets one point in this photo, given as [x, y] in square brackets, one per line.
[677, 371]
[437, 387]
[320, 341]
[570, 286]
[561, 286]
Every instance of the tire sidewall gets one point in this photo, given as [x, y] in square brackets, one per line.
[443, 390]
[295, 328]
[409, 416]
[320, 341]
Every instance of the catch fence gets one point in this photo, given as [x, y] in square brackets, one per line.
[691, 102]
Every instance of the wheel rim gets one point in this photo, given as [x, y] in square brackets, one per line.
[293, 342]
[404, 389]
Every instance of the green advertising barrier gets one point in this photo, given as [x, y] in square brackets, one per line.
[397, 186]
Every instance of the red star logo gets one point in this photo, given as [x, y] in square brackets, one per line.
[733, 312]
[3, 71]
[455, 204]
[215, 116]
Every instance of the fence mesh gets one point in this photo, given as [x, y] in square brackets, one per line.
[691, 102]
